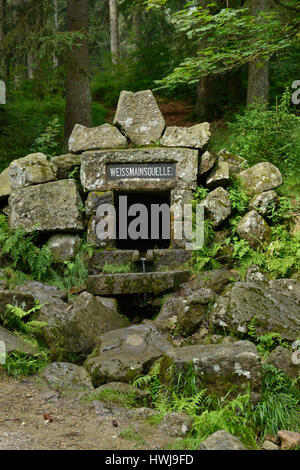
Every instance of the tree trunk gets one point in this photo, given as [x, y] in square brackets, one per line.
[1, 20]
[78, 93]
[114, 31]
[136, 28]
[20, 74]
[258, 69]
[55, 19]
[203, 108]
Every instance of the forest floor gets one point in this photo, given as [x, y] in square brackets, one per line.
[175, 113]
[75, 426]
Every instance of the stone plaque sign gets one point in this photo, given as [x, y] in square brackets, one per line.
[141, 170]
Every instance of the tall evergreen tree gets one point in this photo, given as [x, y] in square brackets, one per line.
[78, 93]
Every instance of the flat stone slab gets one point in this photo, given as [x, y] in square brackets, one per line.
[161, 259]
[101, 137]
[136, 283]
[195, 137]
[50, 207]
[95, 177]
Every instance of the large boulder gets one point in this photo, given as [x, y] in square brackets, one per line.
[73, 331]
[217, 206]
[220, 368]
[253, 228]
[219, 176]
[101, 137]
[66, 375]
[5, 188]
[126, 353]
[222, 440]
[217, 280]
[264, 202]
[33, 169]
[64, 247]
[63, 165]
[14, 343]
[50, 207]
[275, 309]
[261, 177]
[139, 117]
[195, 137]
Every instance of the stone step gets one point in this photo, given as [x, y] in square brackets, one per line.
[136, 283]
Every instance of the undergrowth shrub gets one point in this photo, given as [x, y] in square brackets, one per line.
[29, 261]
[278, 407]
[19, 365]
[267, 134]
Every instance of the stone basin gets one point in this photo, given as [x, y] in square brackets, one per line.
[136, 283]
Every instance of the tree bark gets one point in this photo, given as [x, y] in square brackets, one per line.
[78, 93]
[55, 19]
[258, 69]
[136, 28]
[114, 31]
[20, 74]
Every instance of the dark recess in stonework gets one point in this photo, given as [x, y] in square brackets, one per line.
[147, 198]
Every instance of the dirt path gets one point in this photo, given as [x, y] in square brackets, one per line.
[75, 423]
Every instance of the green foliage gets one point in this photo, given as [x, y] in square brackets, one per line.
[48, 142]
[279, 405]
[230, 38]
[113, 397]
[267, 342]
[261, 134]
[230, 416]
[150, 381]
[25, 255]
[116, 268]
[23, 121]
[20, 365]
[30, 261]
[14, 319]
[76, 271]
[130, 434]
[277, 409]
[238, 198]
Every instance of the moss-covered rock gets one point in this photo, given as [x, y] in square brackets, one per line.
[32, 169]
[49, 207]
[253, 228]
[126, 353]
[275, 308]
[261, 177]
[218, 367]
